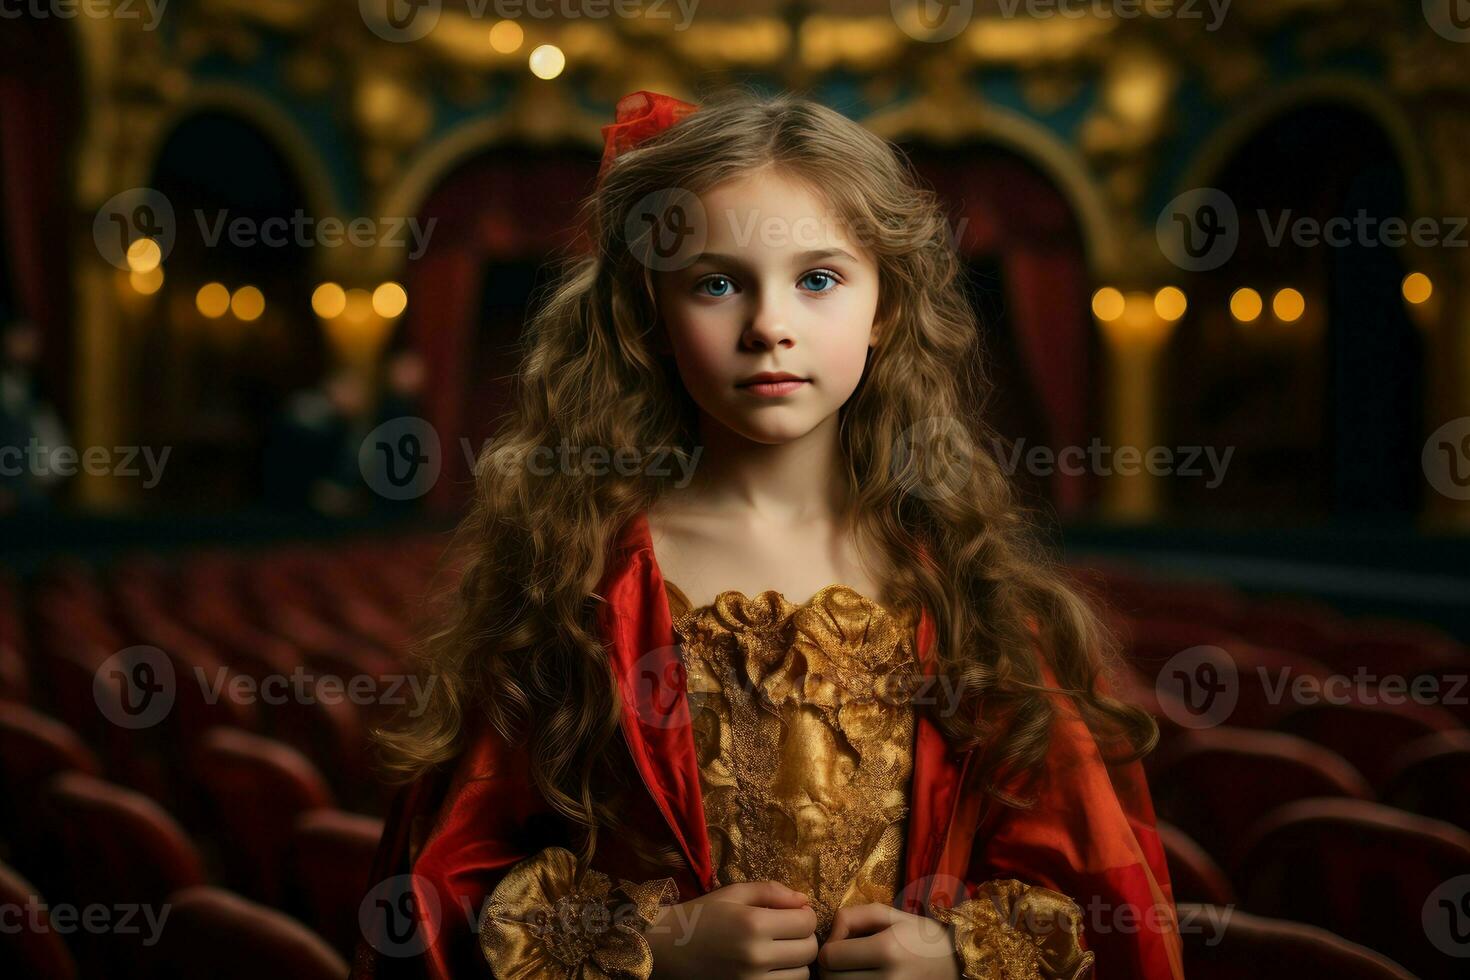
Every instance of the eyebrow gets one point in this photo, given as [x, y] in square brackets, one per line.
[801, 258]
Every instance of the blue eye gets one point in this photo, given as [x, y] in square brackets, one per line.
[713, 279]
[819, 274]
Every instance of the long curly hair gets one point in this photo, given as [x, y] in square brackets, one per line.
[516, 645]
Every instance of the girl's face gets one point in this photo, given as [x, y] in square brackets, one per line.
[779, 288]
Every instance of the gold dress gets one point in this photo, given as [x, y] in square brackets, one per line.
[804, 731]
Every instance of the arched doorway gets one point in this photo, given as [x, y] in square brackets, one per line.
[1322, 410]
[207, 382]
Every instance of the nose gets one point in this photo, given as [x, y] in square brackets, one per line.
[769, 326]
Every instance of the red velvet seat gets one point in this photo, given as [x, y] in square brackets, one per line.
[1370, 873]
[1395, 646]
[256, 788]
[1300, 625]
[216, 933]
[1152, 642]
[1194, 874]
[15, 678]
[111, 846]
[25, 950]
[1228, 944]
[1431, 777]
[331, 859]
[1259, 674]
[1367, 735]
[1214, 783]
[33, 748]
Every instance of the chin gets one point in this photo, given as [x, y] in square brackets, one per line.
[771, 431]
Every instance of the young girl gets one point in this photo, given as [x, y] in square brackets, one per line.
[755, 667]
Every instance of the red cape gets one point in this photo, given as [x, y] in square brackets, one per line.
[448, 841]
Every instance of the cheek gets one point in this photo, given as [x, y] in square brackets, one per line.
[699, 354]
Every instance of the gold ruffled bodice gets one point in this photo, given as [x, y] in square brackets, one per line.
[804, 731]
[803, 723]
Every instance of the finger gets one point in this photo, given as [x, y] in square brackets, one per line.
[822, 974]
[855, 920]
[786, 923]
[864, 952]
[785, 954]
[767, 894]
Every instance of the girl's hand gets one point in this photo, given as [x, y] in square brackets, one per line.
[885, 942]
[750, 929]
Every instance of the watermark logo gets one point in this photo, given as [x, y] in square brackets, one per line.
[149, 11]
[1198, 687]
[1199, 230]
[135, 688]
[667, 229]
[400, 21]
[933, 458]
[932, 20]
[401, 916]
[1446, 459]
[127, 221]
[37, 917]
[1450, 19]
[1446, 917]
[401, 459]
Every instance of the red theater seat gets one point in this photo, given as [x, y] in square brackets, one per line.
[1215, 783]
[33, 748]
[1431, 777]
[331, 858]
[1227, 944]
[1193, 873]
[1367, 735]
[29, 943]
[256, 788]
[110, 846]
[1370, 873]
[1300, 625]
[218, 934]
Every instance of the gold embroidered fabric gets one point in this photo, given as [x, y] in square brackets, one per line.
[1015, 931]
[541, 924]
[804, 729]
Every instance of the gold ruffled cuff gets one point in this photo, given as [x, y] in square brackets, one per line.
[1015, 931]
[542, 923]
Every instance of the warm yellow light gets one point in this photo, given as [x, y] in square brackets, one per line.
[1107, 304]
[144, 255]
[328, 300]
[389, 300]
[148, 282]
[1245, 304]
[1288, 305]
[507, 37]
[248, 303]
[1417, 288]
[212, 300]
[359, 306]
[547, 61]
[1169, 303]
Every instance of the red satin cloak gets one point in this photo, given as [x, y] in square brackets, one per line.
[445, 847]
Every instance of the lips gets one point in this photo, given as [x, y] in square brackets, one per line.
[771, 376]
[773, 388]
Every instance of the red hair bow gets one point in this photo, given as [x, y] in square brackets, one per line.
[639, 115]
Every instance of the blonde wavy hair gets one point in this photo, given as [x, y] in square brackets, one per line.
[516, 646]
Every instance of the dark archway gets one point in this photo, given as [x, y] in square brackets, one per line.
[1324, 414]
[209, 386]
